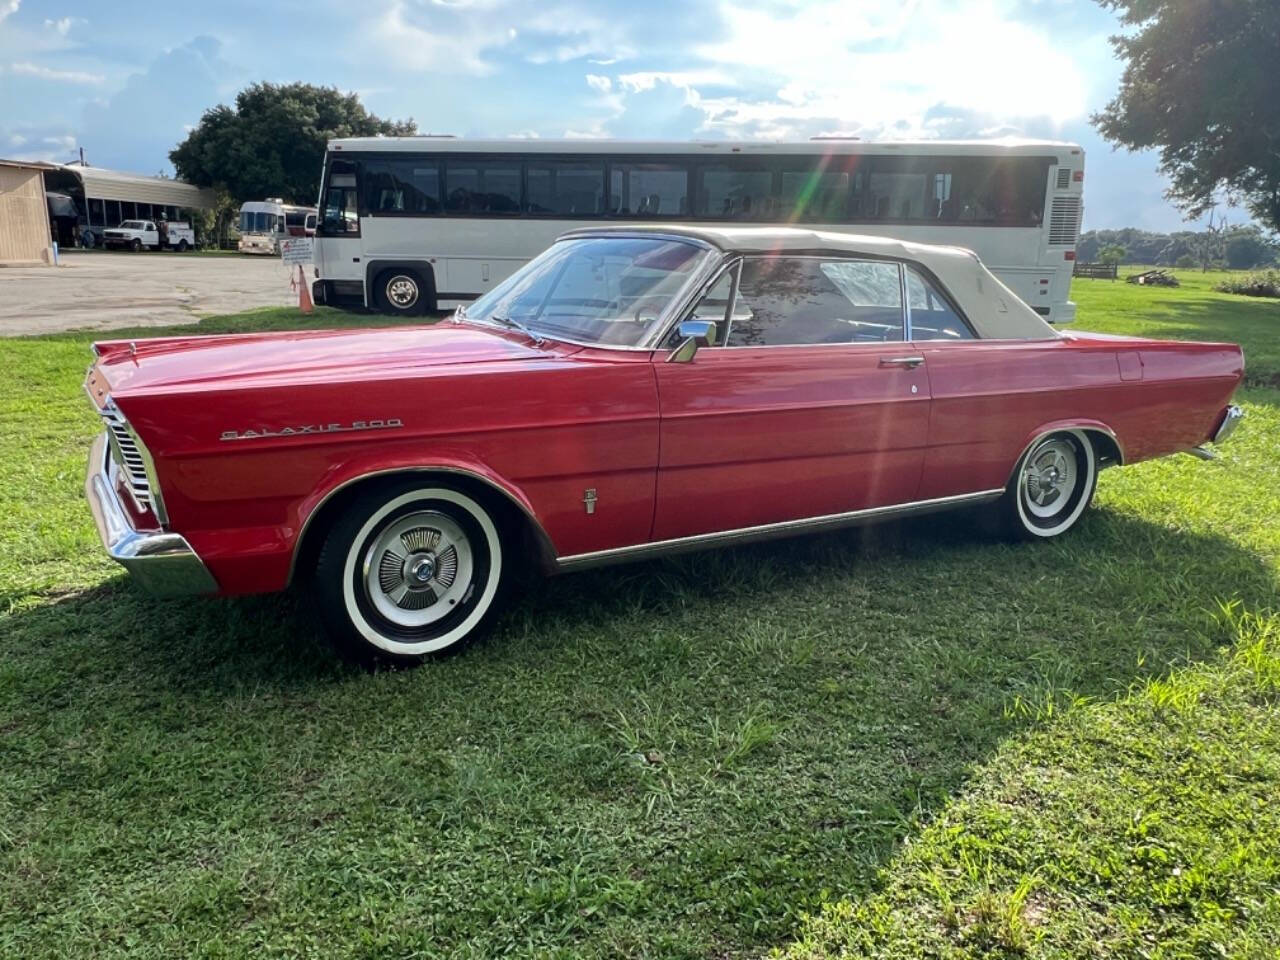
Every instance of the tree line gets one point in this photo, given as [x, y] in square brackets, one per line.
[1237, 248]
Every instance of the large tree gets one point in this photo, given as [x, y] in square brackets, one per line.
[271, 144]
[1202, 84]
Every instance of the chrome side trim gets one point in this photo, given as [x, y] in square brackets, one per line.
[545, 545]
[1200, 453]
[1230, 420]
[162, 563]
[768, 531]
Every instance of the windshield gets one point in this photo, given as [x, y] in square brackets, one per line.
[606, 290]
[132, 225]
[257, 222]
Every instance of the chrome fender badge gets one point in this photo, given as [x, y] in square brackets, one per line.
[391, 423]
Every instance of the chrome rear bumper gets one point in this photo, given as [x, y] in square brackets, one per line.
[163, 563]
[1230, 420]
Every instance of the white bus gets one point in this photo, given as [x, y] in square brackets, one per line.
[264, 223]
[413, 224]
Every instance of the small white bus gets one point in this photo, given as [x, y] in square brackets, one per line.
[264, 223]
[413, 224]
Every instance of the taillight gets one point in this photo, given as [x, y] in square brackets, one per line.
[1078, 176]
[1069, 255]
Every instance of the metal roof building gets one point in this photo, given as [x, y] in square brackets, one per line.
[104, 198]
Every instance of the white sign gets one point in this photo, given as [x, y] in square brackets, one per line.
[295, 250]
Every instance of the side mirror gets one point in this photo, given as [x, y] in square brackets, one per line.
[693, 334]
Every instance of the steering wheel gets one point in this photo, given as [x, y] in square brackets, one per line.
[648, 314]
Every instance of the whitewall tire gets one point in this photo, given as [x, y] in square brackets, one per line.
[1052, 486]
[409, 571]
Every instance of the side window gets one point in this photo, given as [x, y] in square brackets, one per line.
[648, 190]
[731, 193]
[401, 185]
[484, 186]
[809, 300]
[565, 188]
[714, 307]
[932, 316]
[340, 216]
[815, 195]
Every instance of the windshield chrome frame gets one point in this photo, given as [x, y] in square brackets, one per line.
[653, 334]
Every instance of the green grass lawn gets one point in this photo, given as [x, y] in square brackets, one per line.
[903, 741]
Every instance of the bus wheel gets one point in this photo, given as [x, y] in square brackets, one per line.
[401, 292]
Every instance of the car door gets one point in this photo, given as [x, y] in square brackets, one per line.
[811, 404]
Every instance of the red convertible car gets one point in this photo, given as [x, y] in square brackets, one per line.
[629, 393]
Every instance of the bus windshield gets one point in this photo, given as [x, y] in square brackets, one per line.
[597, 290]
[257, 222]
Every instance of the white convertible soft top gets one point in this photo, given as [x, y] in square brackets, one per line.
[993, 309]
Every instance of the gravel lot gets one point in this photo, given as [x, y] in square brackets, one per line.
[99, 290]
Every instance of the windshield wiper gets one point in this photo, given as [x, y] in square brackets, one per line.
[513, 322]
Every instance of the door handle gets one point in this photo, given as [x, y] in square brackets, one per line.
[908, 362]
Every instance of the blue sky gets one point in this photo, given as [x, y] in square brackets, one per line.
[125, 80]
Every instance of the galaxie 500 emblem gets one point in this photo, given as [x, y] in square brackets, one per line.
[392, 423]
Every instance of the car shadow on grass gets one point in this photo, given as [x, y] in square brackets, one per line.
[712, 740]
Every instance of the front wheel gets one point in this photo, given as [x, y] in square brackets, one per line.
[1052, 486]
[135, 245]
[402, 292]
[182, 246]
[409, 572]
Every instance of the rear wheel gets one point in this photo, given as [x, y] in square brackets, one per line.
[182, 246]
[1052, 486]
[409, 572]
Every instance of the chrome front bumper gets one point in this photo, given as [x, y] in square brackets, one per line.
[162, 563]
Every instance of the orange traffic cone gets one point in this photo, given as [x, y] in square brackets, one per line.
[304, 294]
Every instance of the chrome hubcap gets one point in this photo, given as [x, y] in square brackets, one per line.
[1049, 477]
[418, 568]
[402, 292]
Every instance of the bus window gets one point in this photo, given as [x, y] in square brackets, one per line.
[566, 188]
[341, 216]
[734, 193]
[648, 190]
[402, 185]
[811, 194]
[483, 186]
[1007, 192]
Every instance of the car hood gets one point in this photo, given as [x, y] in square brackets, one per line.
[175, 363]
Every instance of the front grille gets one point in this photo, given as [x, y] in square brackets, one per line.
[1064, 221]
[128, 457]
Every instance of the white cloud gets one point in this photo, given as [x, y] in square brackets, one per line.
[648, 79]
[28, 69]
[402, 41]
[804, 67]
[8, 8]
[62, 26]
[878, 69]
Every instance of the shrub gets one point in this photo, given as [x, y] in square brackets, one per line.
[1265, 283]
[1186, 261]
